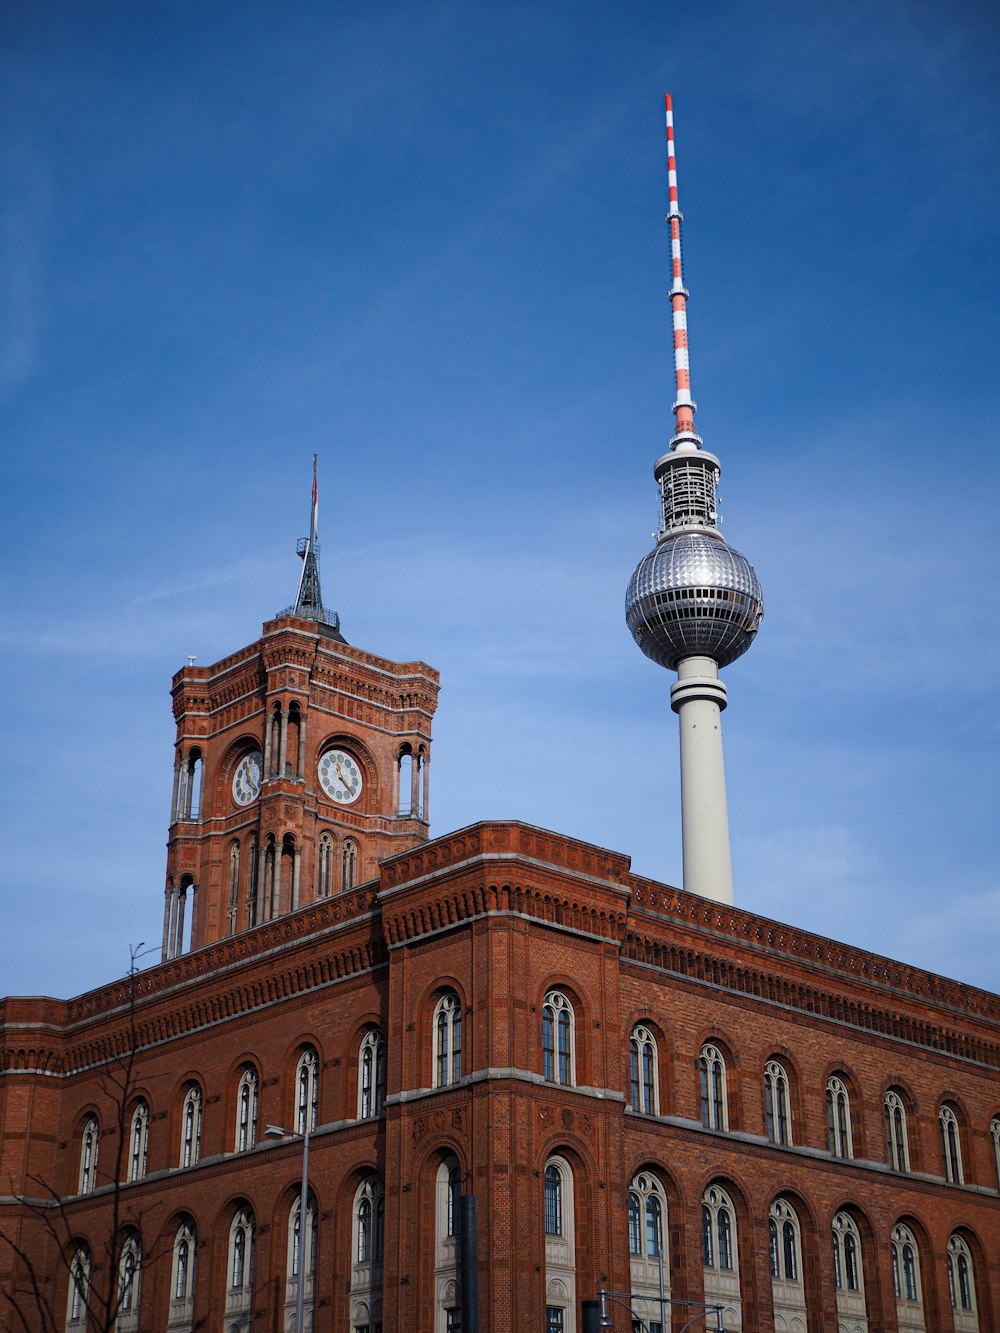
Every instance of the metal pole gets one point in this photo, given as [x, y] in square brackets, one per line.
[300, 1293]
[592, 1316]
[468, 1260]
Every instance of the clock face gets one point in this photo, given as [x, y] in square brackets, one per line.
[340, 777]
[247, 778]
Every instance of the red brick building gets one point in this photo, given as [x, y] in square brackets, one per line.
[629, 1080]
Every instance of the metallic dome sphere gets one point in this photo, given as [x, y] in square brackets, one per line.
[693, 596]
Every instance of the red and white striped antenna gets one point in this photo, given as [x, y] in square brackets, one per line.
[685, 436]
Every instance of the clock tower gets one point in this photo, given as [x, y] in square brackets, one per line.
[300, 762]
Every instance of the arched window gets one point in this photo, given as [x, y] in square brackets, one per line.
[553, 1201]
[370, 1221]
[324, 865]
[776, 1113]
[293, 1263]
[404, 782]
[182, 1275]
[995, 1138]
[847, 1272]
[558, 1055]
[838, 1118]
[906, 1279]
[786, 1252]
[191, 1126]
[246, 1109]
[447, 1226]
[560, 1243]
[644, 1089]
[306, 1090]
[719, 1254]
[647, 1240]
[78, 1296]
[366, 1255]
[447, 1040]
[129, 1282]
[895, 1132]
[371, 1075]
[232, 918]
[349, 865]
[962, 1286]
[242, 1245]
[718, 1225]
[951, 1145]
[712, 1074]
[253, 879]
[138, 1142]
[89, 1143]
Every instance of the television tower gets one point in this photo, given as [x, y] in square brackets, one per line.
[694, 603]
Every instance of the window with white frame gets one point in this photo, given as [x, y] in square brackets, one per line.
[906, 1279]
[560, 1240]
[951, 1145]
[324, 865]
[240, 1269]
[447, 1246]
[962, 1286]
[247, 1099]
[371, 1075]
[191, 1126]
[787, 1286]
[306, 1091]
[847, 1270]
[129, 1282]
[995, 1139]
[367, 1241]
[712, 1076]
[294, 1264]
[644, 1092]
[89, 1143]
[647, 1242]
[776, 1107]
[447, 1040]
[719, 1254]
[558, 1055]
[838, 1118]
[138, 1142]
[78, 1295]
[182, 1277]
[897, 1146]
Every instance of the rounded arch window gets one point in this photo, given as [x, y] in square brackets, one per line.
[644, 1091]
[558, 1039]
[712, 1078]
[447, 1040]
[847, 1269]
[838, 1118]
[647, 1213]
[777, 1115]
[951, 1144]
[897, 1144]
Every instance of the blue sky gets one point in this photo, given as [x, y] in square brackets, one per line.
[427, 242]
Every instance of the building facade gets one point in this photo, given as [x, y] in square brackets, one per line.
[631, 1081]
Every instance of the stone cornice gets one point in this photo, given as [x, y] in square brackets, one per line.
[727, 923]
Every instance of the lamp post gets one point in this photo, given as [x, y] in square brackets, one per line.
[276, 1132]
[596, 1315]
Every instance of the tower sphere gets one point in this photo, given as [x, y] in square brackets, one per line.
[693, 596]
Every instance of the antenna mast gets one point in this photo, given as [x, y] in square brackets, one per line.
[685, 436]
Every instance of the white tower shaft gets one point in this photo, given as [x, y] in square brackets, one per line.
[698, 698]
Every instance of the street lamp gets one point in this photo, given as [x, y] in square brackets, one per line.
[597, 1316]
[276, 1132]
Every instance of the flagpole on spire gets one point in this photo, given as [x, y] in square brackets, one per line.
[308, 599]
